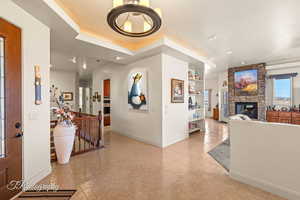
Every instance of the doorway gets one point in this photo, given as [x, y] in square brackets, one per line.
[207, 102]
[85, 103]
[106, 103]
[10, 109]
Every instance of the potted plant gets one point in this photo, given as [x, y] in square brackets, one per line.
[64, 131]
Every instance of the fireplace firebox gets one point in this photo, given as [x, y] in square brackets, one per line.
[247, 108]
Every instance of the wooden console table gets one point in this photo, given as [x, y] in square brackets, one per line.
[216, 114]
[283, 117]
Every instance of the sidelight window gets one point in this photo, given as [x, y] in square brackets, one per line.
[2, 102]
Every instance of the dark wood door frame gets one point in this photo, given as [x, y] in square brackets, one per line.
[11, 163]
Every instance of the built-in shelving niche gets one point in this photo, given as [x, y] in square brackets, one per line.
[196, 99]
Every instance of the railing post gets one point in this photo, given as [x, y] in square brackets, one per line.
[79, 114]
[99, 129]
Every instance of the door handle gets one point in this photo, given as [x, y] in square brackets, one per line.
[18, 125]
[19, 135]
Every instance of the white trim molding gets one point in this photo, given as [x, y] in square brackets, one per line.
[269, 187]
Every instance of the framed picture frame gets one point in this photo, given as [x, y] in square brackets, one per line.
[138, 90]
[177, 91]
[68, 96]
[246, 82]
[98, 98]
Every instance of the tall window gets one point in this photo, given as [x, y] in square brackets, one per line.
[282, 93]
[207, 99]
[87, 100]
[2, 103]
[80, 97]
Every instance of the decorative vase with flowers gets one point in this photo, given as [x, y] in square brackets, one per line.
[64, 131]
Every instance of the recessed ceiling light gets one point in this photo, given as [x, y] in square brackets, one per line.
[73, 60]
[84, 66]
[213, 37]
[119, 58]
[243, 62]
[229, 52]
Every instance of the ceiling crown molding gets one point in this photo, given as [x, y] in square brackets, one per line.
[55, 17]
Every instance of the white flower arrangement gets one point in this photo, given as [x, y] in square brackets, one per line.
[63, 113]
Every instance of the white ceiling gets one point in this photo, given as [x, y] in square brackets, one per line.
[68, 41]
[64, 62]
[254, 30]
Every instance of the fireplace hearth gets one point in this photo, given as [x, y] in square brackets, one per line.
[247, 108]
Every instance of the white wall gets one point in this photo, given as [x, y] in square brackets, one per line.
[35, 51]
[212, 84]
[266, 155]
[296, 84]
[164, 123]
[66, 82]
[175, 115]
[145, 126]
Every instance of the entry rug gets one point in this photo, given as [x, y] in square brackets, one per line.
[50, 194]
[221, 154]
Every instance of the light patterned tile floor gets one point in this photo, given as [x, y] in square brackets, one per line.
[128, 169]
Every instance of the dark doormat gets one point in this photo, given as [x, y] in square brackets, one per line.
[221, 154]
[48, 194]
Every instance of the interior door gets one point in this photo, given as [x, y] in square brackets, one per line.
[10, 108]
[106, 102]
[106, 92]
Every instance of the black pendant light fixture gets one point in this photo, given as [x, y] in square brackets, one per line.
[134, 18]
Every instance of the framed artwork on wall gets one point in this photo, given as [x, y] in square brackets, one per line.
[138, 90]
[68, 96]
[98, 97]
[245, 82]
[177, 91]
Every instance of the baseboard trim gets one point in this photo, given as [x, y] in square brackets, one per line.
[139, 139]
[38, 177]
[267, 186]
[184, 137]
[150, 142]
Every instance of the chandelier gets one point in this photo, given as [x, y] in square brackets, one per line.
[134, 18]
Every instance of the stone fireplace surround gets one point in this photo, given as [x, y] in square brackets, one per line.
[259, 98]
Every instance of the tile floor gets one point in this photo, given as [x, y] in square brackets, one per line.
[130, 170]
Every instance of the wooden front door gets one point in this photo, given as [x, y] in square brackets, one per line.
[10, 109]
